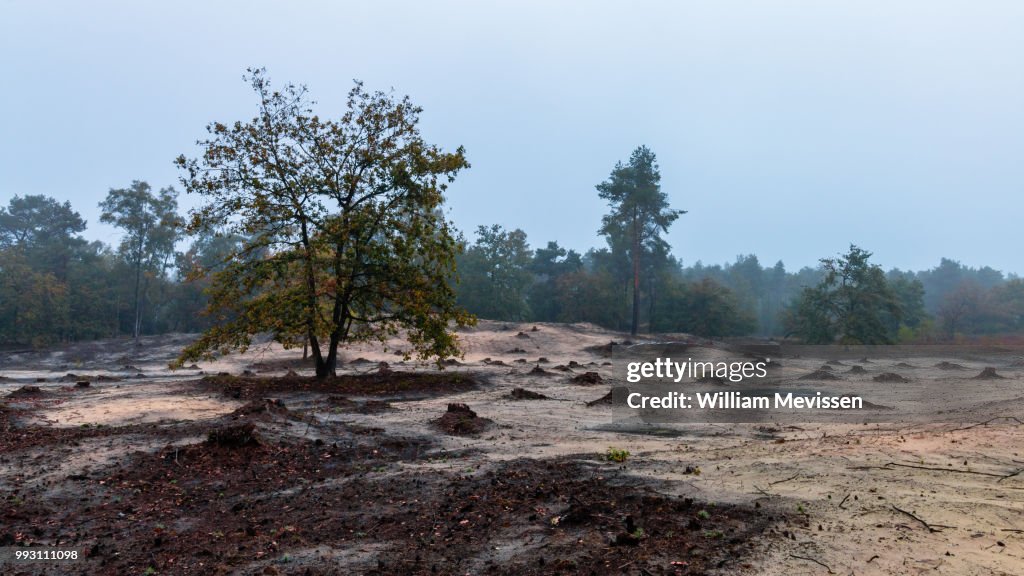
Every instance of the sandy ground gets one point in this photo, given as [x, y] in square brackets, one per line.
[938, 495]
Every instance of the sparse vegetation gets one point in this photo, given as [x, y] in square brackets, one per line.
[616, 455]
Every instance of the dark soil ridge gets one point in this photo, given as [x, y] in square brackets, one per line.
[387, 383]
[208, 508]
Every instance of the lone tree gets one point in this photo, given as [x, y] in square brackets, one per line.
[639, 213]
[853, 304]
[345, 217]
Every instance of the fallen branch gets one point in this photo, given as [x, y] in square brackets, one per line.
[794, 476]
[985, 423]
[930, 527]
[887, 466]
[845, 498]
[818, 562]
[1011, 475]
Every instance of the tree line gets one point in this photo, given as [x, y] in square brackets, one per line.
[325, 231]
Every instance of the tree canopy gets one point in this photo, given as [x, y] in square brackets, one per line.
[345, 214]
[854, 303]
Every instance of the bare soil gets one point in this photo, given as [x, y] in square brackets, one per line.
[212, 470]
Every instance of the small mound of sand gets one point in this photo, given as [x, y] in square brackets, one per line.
[523, 336]
[264, 406]
[819, 375]
[524, 394]
[890, 377]
[988, 373]
[574, 364]
[520, 361]
[490, 362]
[459, 420]
[856, 369]
[538, 371]
[28, 392]
[562, 368]
[516, 350]
[949, 366]
[835, 363]
[587, 379]
[826, 368]
[905, 365]
[542, 360]
[450, 362]
[234, 436]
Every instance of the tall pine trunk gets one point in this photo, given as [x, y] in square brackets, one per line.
[636, 276]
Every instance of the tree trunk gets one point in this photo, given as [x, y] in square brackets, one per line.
[636, 276]
[138, 308]
[328, 367]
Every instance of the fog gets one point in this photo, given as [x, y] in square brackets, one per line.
[787, 129]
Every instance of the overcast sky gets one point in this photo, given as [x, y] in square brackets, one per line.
[787, 129]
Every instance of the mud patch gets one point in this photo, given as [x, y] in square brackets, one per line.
[587, 379]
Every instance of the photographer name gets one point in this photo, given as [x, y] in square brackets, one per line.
[740, 401]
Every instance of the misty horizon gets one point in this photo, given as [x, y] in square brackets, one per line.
[790, 132]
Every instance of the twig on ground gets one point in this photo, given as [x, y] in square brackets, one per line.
[809, 559]
[930, 527]
[784, 480]
[845, 498]
[985, 423]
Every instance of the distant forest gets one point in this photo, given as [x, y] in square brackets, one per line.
[55, 286]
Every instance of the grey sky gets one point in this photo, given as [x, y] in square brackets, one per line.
[788, 129]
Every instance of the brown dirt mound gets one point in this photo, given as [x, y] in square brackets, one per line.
[459, 420]
[261, 407]
[374, 384]
[542, 360]
[608, 398]
[988, 373]
[856, 369]
[28, 392]
[516, 351]
[587, 379]
[538, 371]
[524, 394]
[949, 366]
[562, 368]
[523, 336]
[234, 436]
[890, 377]
[819, 375]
